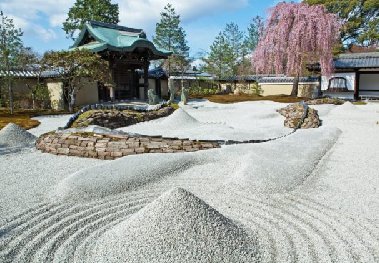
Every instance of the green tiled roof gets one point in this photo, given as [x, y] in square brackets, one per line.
[115, 38]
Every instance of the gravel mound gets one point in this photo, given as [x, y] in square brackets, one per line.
[13, 135]
[177, 227]
[180, 118]
[348, 106]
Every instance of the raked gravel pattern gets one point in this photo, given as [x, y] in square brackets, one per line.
[301, 198]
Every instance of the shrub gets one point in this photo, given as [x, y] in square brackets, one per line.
[199, 91]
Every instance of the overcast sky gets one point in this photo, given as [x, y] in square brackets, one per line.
[41, 20]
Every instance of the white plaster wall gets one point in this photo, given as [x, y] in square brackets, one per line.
[350, 80]
[56, 94]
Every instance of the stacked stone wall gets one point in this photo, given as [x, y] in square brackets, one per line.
[110, 147]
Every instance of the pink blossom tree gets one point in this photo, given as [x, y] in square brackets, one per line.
[296, 34]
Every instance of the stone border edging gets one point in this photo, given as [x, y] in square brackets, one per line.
[110, 147]
[97, 106]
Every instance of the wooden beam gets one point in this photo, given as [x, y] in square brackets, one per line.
[356, 85]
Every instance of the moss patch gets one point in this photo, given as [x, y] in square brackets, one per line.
[225, 99]
[175, 106]
[360, 103]
[23, 117]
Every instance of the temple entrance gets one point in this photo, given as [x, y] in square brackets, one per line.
[126, 83]
[127, 50]
[104, 92]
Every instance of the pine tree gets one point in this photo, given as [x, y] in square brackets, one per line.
[10, 46]
[86, 10]
[254, 31]
[360, 17]
[234, 40]
[250, 42]
[220, 58]
[171, 36]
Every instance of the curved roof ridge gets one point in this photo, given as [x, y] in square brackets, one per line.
[116, 38]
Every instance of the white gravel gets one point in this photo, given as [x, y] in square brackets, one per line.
[308, 197]
[49, 123]
[204, 120]
[177, 227]
[13, 135]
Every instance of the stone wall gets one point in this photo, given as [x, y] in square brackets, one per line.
[110, 147]
[114, 119]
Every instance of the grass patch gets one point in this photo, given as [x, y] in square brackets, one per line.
[23, 118]
[81, 118]
[244, 97]
[360, 103]
[175, 106]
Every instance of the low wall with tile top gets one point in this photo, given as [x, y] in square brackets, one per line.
[110, 147]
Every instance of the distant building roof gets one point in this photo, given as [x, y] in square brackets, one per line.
[357, 60]
[241, 78]
[365, 60]
[97, 37]
[156, 73]
[268, 79]
[29, 73]
[285, 79]
[192, 75]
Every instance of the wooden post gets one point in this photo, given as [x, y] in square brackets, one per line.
[356, 85]
[146, 75]
[113, 81]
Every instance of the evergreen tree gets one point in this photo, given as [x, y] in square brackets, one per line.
[360, 17]
[254, 31]
[234, 39]
[220, 58]
[171, 36]
[10, 46]
[85, 10]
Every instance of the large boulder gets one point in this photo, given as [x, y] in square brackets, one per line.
[300, 116]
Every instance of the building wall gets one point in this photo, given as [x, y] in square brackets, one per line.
[269, 89]
[23, 87]
[55, 88]
[305, 89]
[349, 76]
[164, 87]
[152, 84]
[87, 94]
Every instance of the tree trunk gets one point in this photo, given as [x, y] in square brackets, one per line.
[33, 101]
[71, 102]
[1, 95]
[295, 87]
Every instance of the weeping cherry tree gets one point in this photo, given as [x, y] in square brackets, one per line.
[295, 35]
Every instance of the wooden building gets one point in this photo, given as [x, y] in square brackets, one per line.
[356, 76]
[128, 52]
